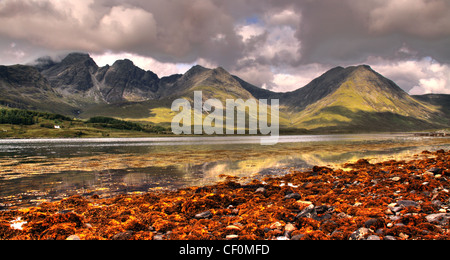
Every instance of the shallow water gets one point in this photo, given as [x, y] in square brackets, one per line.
[33, 171]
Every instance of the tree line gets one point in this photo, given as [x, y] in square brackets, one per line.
[26, 117]
[107, 122]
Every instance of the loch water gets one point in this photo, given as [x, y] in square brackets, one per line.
[33, 171]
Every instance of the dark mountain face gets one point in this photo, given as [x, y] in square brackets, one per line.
[125, 81]
[73, 74]
[316, 90]
[78, 77]
[23, 76]
[442, 101]
[26, 88]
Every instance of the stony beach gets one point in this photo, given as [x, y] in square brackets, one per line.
[392, 200]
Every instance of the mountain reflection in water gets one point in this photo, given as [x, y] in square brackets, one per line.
[33, 171]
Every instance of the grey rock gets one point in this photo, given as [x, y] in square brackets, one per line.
[204, 215]
[309, 212]
[397, 209]
[261, 190]
[323, 209]
[123, 236]
[158, 237]
[435, 170]
[313, 212]
[407, 203]
[441, 218]
[389, 238]
[373, 238]
[295, 196]
[359, 234]
[373, 223]
[73, 237]
[298, 237]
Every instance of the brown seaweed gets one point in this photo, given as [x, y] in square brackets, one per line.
[388, 200]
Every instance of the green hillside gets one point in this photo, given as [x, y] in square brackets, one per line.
[17, 123]
[366, 101]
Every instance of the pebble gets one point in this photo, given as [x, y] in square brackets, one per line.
[261, 190]
[397, 209]
[73, 237]
[298, 237]
[158, 237]
[388, 212]
[403, 236]
[233, 227]
[392, 205]
[435, 170]
[290, 228]
[232, 237]
[308, 212]
[396, 179]
[442, 218]
[295, 196]
[204, 215]
[276, 225]
[373, 238]
[408, 203]
[304, 203]
[123, 235]
[359, 234]
[374, 223]
[389, 238]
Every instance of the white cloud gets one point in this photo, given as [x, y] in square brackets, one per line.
[162, 69]
[145, 63]
[249, 31]
[64, 24]
[126, 27]
[270, 45]
[286, 17]
[281, 45]
[288, 82]
[418, 77]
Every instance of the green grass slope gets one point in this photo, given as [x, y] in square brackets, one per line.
[367, 102]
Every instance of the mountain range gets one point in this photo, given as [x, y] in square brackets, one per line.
[353, 99]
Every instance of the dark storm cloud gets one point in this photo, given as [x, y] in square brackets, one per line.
[260, 40]
[350, 31]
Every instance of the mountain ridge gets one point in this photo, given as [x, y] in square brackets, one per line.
[362, 94]
[341, 98]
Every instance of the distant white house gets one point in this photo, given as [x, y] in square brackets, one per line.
[57, 127]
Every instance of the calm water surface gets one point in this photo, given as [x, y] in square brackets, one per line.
[33, 171]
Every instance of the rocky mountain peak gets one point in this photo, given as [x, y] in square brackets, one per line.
[197, 69]
[126, 63]
[79, 58]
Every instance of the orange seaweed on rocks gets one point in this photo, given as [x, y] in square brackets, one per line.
[387, 200]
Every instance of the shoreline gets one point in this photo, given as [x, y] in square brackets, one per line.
[171, 135]
[383, 201]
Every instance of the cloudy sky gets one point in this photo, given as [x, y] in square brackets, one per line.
[277, 44]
